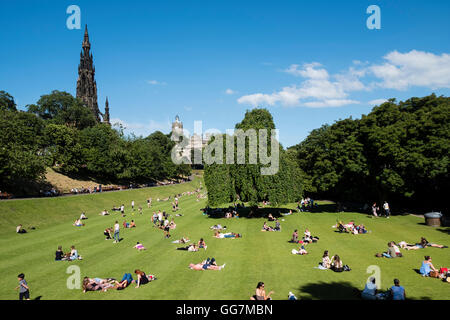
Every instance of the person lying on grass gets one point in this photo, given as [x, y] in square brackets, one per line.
[78, 223]
[139, 246]
[232, 235]
[260, 293]
[208, 264]
[344, 227]
[104, 213]
[192, 248]
[218, 227]
[127, 279]
[142, 278]
[182, 240]
[96, 284]
[307, 238]
[301, 251]
[423, 244]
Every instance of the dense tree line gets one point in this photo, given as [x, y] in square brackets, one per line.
[60, 132]
[230, 182]
[398, 152]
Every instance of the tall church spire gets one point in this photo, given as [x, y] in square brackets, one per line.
[86, 85]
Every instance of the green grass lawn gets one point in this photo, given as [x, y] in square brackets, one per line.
[258, 256]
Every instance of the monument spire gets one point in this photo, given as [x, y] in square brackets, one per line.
[86, 85]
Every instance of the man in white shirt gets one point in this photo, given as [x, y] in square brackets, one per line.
[116, 232]
[386, 209]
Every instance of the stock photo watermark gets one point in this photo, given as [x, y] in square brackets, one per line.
[235, 152]
[74, 280]
[74, 20]
[374, 20]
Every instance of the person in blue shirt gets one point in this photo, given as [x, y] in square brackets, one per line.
[427, 267]
[397, 291]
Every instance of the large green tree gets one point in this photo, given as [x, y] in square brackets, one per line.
[228, 182]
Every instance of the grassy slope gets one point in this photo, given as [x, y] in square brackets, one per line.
[258, 256]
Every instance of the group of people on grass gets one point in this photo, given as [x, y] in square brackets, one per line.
[69, 256]
[335, 263]
[266, 227]
[99, 284]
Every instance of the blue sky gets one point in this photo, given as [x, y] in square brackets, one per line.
[308, 62]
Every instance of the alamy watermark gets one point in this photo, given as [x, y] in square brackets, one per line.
[202, 152]
[74, 20]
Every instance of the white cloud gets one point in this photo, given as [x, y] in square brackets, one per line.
[377, 102]
[229, 91]
[155, 82]
[308, 71]
[319, 88]
[415, 68]
[144, 129]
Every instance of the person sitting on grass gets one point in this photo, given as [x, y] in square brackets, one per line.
[326, 261]
[266, 227]
[202, 244]
[393, 251]
[19, 229]
[397, 291]
[127, 279]
[191, 248]
[294, 238]
[83, 216]
[336, 264]
[139, 246]
[108, 233]
[172, 224]
[427, 267]
[260, 293]
[277, 225]
[74, 254]
[78, 223]
[308, 238]
[132, 224]
[423, 244]
[370, 290]
[59, 254]
[104, 213]
[125, 224]
[142, 278]
[270, 217]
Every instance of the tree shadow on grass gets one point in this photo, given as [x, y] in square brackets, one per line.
[330, 291]
[447, 230]
[249, 212]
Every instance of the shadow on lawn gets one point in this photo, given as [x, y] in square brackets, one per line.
[330, 291]
[249, 212]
